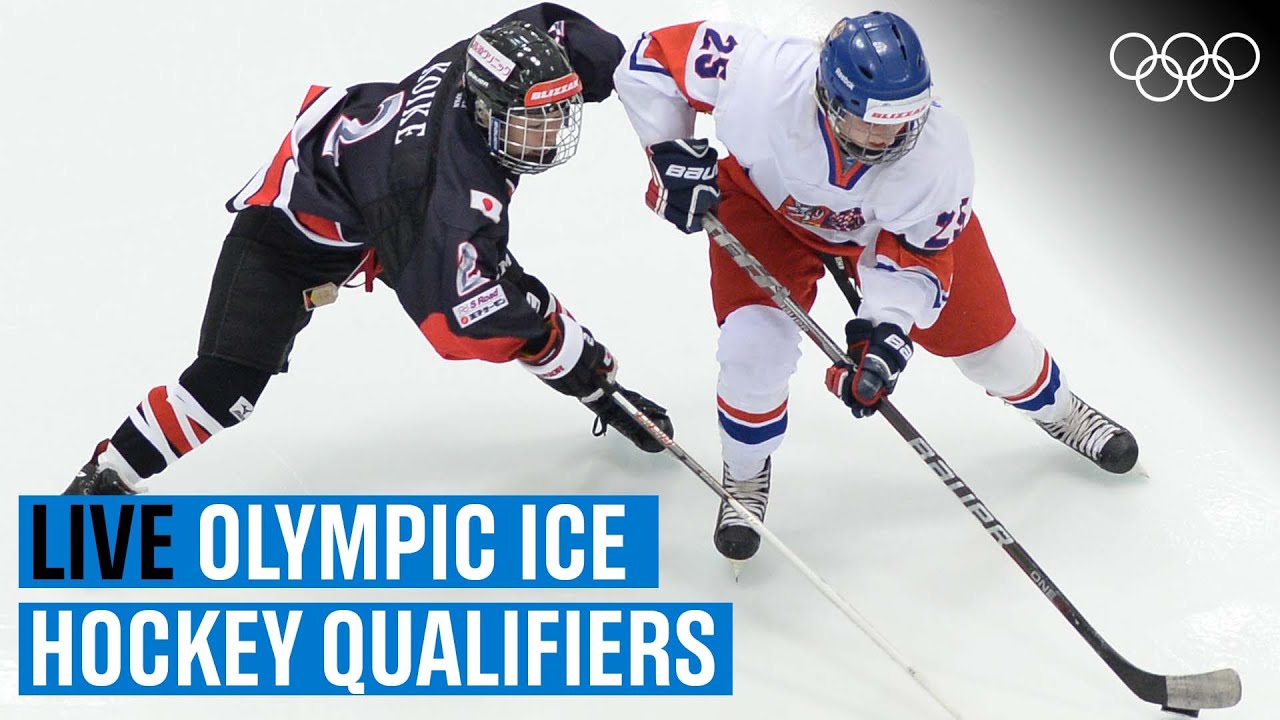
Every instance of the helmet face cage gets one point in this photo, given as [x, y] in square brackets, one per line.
[872, 75]
[530, 140]
[860, 147]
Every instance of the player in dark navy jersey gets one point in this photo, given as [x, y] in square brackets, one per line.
[408, 183]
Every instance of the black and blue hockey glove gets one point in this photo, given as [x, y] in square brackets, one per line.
[684, 188]
[879, 353]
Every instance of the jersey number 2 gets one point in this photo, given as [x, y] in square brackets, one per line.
[712, 64]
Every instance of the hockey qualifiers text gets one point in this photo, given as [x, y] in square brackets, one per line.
[321, 648]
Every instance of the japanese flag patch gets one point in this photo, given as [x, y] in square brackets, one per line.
[487, 204]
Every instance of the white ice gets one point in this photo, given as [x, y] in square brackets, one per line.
[125, 125]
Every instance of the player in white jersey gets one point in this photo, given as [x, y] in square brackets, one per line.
[838, 150]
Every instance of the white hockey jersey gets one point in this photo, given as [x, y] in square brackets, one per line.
[760, 91]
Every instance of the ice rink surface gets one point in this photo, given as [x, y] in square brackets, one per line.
[126, 125]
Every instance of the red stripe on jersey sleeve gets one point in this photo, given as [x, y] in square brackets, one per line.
[451, 346]
[671, 47]
[324, 227]
[313, 92]
[941, 264]
[270, 189]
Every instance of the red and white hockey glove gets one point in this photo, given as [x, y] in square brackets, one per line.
[879, 353]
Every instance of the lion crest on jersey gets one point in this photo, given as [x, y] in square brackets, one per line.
[822, 217]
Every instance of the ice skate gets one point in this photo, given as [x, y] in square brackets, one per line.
[1095, 436]
[734, 538]
[94, 479]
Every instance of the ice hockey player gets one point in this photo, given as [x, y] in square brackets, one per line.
[408, 182]
[835, 148]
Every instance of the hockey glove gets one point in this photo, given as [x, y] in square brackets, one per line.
[879, 353]
[683, 189]
[573, 362]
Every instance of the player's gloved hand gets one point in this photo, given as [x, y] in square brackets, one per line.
[684, 188]
[879, 353]
[573, 362]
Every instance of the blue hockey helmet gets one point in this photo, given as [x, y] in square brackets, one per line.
[873, 69]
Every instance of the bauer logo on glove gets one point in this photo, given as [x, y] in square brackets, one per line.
[684, 188]
[878, 354]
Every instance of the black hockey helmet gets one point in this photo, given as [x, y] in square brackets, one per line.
[527, 97]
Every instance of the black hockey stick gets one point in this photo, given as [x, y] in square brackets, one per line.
[1184, 694]
[827, 591]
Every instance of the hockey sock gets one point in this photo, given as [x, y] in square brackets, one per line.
[747, 439]
[173, 420]
[1019, 370]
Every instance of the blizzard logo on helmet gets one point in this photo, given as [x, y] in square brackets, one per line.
[552, 90]
[900, 115]
[492, 60]
[888, 112]
[844, 78]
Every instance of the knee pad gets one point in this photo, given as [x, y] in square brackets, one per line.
[759, 350]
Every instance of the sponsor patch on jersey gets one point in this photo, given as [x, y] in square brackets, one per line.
[545, 93]
[488, 205]
[469, 312]
[822, 217]
[490, 58]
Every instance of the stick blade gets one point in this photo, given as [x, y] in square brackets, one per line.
[1217, 689]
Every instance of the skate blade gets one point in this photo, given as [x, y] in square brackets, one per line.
[1140, 471]
[736, 566]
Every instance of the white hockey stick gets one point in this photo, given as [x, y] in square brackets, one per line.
[827, 591]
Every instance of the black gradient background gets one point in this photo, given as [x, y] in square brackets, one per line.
[1178, 201]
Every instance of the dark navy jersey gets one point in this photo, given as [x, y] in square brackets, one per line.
[404, 168]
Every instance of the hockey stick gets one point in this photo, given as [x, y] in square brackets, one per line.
[1184, 694]
[827, 591]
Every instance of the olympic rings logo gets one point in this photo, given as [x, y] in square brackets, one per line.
[1193, 71]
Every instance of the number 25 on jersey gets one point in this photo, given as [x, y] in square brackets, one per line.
[712, 64]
